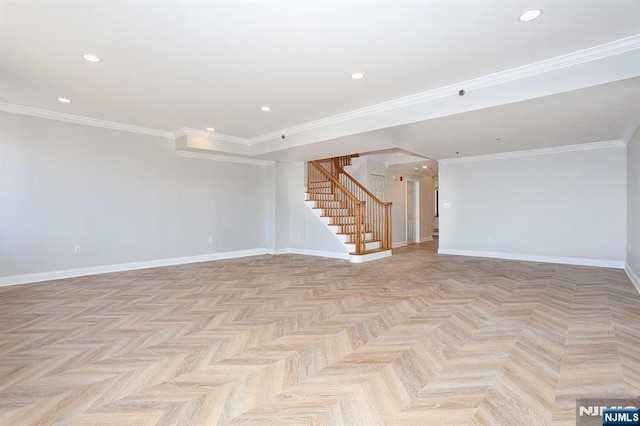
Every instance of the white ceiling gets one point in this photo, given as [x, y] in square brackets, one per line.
[169, 65]
[595, 114]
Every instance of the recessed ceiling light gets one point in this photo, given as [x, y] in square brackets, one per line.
[210, 129]
[530, 15]
[91, 58]
[424, 167]
[64, 100]
[357, 75]
[266, 108]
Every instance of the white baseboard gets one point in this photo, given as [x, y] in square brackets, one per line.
[399, 244]
[121, 267]
[283, 251]
[536, 258]
[306, 252]
[425, 239]
[633, 276]
[94, 270]
[333, 255]
[370, 257]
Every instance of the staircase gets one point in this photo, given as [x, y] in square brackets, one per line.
[356, 217]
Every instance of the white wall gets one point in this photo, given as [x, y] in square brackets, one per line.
[289, 186]
[564, 207]
[358, 169]
[374, 168]
[270, 197]
[122, 197]
[633, 209]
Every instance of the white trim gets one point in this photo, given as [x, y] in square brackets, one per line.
[285, 251]
[187, 131]
[225, 158]
[425, 239]
[306, 252]
[536, 258]
[93, 270]
[87, 121]
[399, 244]
[333, 255]
[368, 257]
[574, 58]
[533, 152]
[635, 279]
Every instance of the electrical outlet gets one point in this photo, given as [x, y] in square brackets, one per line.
[77, 249]
[629, 247]
[211, 239]
[489, 237]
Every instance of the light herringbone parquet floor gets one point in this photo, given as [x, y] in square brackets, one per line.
[413, 339]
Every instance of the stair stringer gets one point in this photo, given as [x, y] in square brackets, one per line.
[312, 206]
[348, 247]
[320, 237]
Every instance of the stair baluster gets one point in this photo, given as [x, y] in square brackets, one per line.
[371, 216]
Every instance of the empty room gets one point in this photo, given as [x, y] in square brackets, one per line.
[319, 212]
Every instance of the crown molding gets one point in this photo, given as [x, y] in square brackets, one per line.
[574, 58]
[224, 158]
[79, 119]
[589, 54]
[534, 152]
[187, 131]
